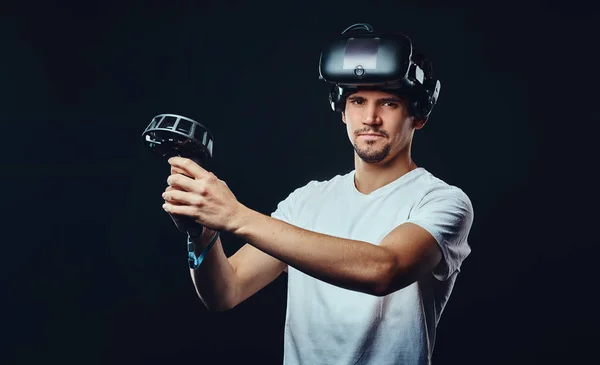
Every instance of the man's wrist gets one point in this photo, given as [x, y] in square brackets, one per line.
[202, 240]
[251, 223]
[244, 220]
[197, 254]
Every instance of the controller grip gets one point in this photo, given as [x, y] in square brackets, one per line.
[186, 224]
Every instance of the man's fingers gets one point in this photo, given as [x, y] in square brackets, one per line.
[172, 201]
[181, 182]
[178, 197]
[185, 210]
[177, 170]
[188, 167]
[170, 188]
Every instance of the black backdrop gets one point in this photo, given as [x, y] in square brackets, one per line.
[95, 272]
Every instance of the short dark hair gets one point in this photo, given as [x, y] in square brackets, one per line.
[408, 102]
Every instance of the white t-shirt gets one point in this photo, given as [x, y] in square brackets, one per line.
[328, 325]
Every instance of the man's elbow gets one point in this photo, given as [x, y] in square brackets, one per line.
[218, 306]
[383, 288]
[390, 279]
[395, 274]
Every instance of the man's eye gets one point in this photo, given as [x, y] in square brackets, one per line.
[356, 101]
[390, 104]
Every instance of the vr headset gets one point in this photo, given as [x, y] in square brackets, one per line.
[360, 58]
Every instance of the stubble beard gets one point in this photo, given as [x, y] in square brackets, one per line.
[372, 154]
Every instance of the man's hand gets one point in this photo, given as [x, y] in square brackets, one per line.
[200, 195]
[187, 224]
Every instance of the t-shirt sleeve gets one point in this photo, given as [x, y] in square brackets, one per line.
[446, 213]
[285, 209]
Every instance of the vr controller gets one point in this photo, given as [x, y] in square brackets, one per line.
[174, 135]
[360, 58]
[171, 135]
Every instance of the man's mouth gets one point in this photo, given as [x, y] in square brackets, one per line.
[372, 135]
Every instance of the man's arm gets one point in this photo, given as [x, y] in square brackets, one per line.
[222, 283]
[404, 255]
[401, 258]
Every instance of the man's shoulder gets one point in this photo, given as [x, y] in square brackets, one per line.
[436, 188]
[322, 185]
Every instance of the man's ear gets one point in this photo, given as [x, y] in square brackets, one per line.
[344, 117]
[419, 123]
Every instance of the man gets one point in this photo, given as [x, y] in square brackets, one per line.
[371, 255]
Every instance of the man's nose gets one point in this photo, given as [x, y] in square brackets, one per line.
[371, 116]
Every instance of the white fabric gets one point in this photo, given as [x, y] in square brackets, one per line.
[329, 325]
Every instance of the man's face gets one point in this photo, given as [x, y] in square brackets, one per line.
[378, 125]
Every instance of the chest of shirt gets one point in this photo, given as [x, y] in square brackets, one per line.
[364, 218]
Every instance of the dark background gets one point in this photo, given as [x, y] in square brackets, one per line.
[94, 271]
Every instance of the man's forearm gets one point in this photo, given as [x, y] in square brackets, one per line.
[350, 264]
[214, 280]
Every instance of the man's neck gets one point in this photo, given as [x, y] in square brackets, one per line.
[370, 177]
